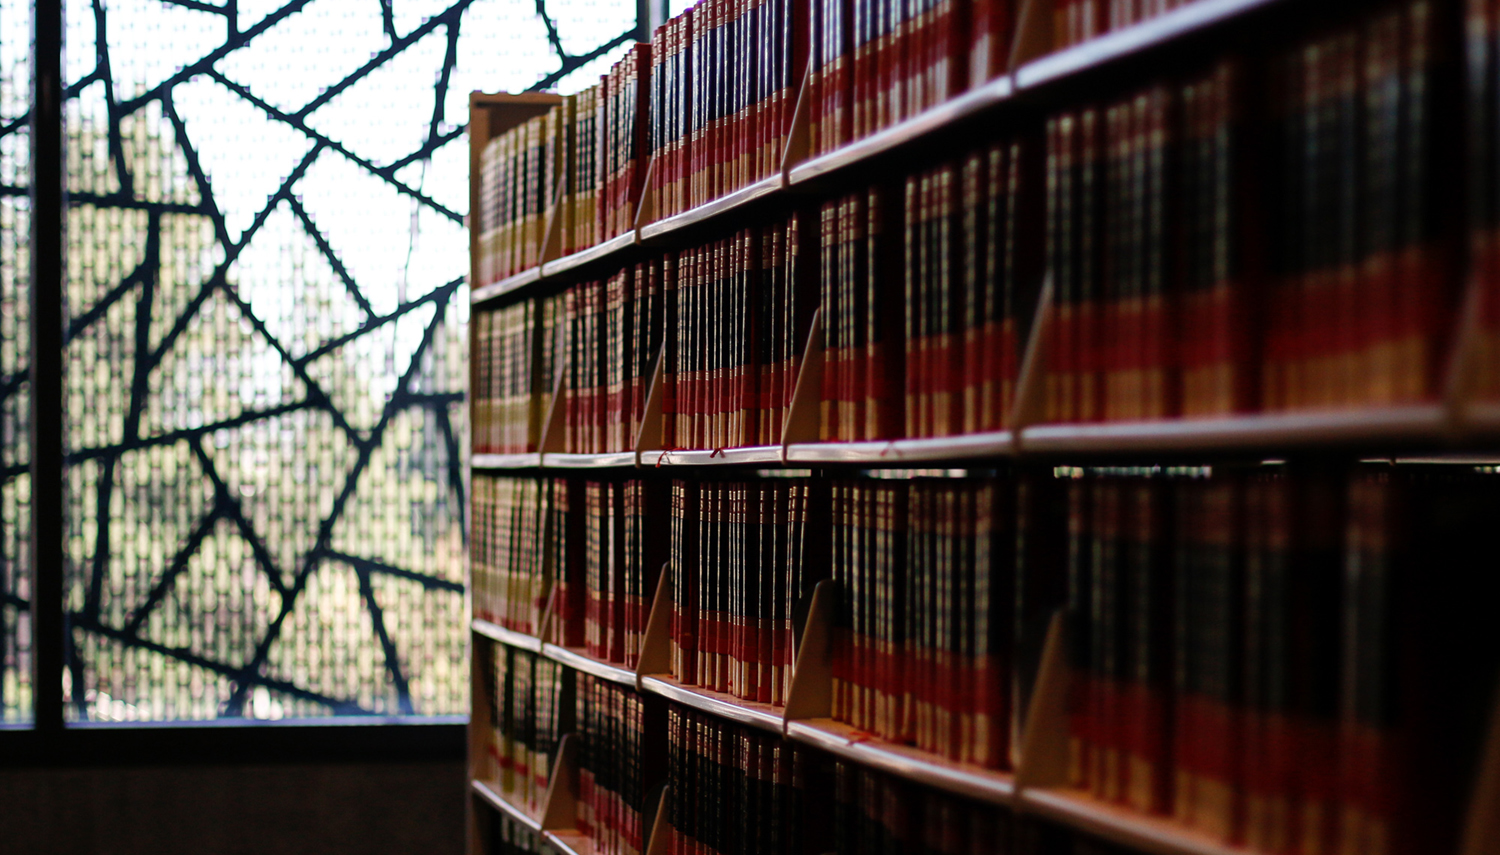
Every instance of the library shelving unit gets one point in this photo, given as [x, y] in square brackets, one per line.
[1048, 776]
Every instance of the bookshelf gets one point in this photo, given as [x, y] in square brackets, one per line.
[1030, 466]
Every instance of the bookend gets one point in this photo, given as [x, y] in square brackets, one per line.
[656, 647]
[811, 693]
[649, 439]
[1044, 734]
[552, 235]
[645, 212]
[554, 429]
[801, 423]
[799, 135]
[1481, 833]
[660, 839]
[560, 806]
[1031, 386]
[1033, 38]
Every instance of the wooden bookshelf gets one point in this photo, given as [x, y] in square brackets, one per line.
[1456, 426]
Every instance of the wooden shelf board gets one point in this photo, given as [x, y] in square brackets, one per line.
[595, 253]
[568, 842]
[905, 761]
[1117, 824]
[580, 661]
[1134, 39]
[608, 460]
[490, 793]
[712, 210]
[1424, 423]
[505, 461]
[507, 637]
[763, 716]
[763, 455]
[896, 452]
[970, 103]
[499, 289]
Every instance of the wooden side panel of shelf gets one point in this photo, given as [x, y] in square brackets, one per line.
[479, 711]
[802, 421]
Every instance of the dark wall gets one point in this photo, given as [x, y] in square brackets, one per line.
[327, 809]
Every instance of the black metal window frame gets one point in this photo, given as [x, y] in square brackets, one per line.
[50, 740]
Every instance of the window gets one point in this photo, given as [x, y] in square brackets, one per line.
[265, 345]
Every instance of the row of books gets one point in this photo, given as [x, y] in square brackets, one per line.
[508, 576]
[1265, 656]
[734, 791]
[734, 314]
[508, 387]
[722, 92]
[613, 330]
[1263, 236]
[921, 648]
[879, 62]
[711, 99]
[623, 548]
[530, 711]
[575, 170]
[921, 299]
[739, 572]
[613, 765]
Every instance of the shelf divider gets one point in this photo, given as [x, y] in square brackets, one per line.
[811, 693]
[560, 806]
[660, 841]
[500, 803]
[802, 419]
[649, 438]
[656, 646]
[1481, 833]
